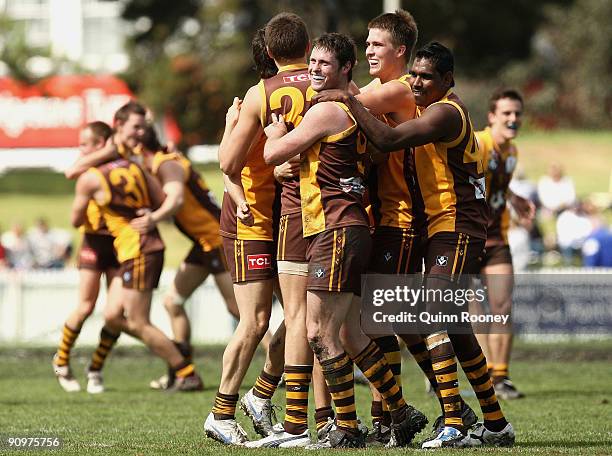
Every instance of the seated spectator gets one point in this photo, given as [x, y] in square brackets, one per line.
[18, 249]
[574, 226]
[597, 249]
[555, 191]
[50, 247]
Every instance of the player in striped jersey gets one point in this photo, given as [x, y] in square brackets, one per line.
[195, 213]
[500, 159]
[95, 257]
[451, 181]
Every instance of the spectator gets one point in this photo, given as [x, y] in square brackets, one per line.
[574, 225]
[50, 247]
[3, 262]
[597, 249]
[555, 191]
[18, 249]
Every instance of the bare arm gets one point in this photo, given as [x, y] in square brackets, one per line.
[320, 121]
[83, 163]
[172, 178]
[233, 185]
[234, 150]
[86, 187]
[390, 97]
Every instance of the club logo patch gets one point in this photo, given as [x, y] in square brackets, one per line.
[127, 276]
[261, 261]
[388, 256]
[318, 272]
[442, 260]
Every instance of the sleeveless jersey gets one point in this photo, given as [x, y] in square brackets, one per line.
[332, 185]
[451, 180]
[199, 216]
[94, 222]
[499, 167]
[287, 93]
[125, 192]
[259, 188]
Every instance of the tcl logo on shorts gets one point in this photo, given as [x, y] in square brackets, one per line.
[295, 78]
[88, 256]
[262, 261]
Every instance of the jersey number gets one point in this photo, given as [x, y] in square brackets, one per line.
[297, 102]
[133, 184]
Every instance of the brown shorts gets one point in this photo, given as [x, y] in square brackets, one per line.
[291, 243]
[143, 272]
[213, 261]
[250, 260]
[97, 253]
[337, 258]
[397, 251]
[453, 254]
[497, 254]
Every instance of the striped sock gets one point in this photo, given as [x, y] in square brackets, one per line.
[389, 345]
[499, 372]
[421, 355]
[225, 406]
[69, 337]
[107, 340]
[338, 373]
[374, 366]
[475, 367]
[297, 382]
[322, 415]
[185, 369]
[265, 385]
[445, 367]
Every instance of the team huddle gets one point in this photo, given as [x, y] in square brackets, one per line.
[324, 182]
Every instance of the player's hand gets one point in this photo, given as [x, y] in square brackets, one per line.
[288, 170]
[331, 95]
[233, 113]
[244, 214]
[144, 223]
[277, 129]
[524, 208]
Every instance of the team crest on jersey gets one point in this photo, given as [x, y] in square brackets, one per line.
[493, 160]
[352, 184]
[442, 260]
[510, 164]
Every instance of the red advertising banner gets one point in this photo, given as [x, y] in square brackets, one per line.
[50, 113]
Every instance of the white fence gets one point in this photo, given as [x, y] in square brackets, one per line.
[34, 306]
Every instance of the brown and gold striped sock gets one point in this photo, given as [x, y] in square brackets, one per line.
[338, 373]
[475, 367]
[421, 355]
[225, 406]
[297, 382]
[107, 340]
[185, 369]
[322, 415]
[389, 345]
[499, 372]
[444, 366]
[265, 385]
[69, 337]
[374, 366]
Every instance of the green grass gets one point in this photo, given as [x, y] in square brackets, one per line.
[566, 409]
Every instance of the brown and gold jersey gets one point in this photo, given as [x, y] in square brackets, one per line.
[332, 185]
[392, 184]
[260, 192]
[451, 180]
[287, 93]
[94, 222]
[125, 192]
[199, 216]
[499, 166]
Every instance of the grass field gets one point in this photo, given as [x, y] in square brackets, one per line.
[586, 156]
[566, 409]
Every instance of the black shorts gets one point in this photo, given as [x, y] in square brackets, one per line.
[497, 254]
[397, 251]
[250, 260]
[337, 258]
[213, 261]
[97, 253]
[143, 272]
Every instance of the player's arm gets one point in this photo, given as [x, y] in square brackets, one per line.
[86, 187]
[172, 177]
[236, 193]
[323, 119]
[392, 96]
[233, 152]
[107, 153]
